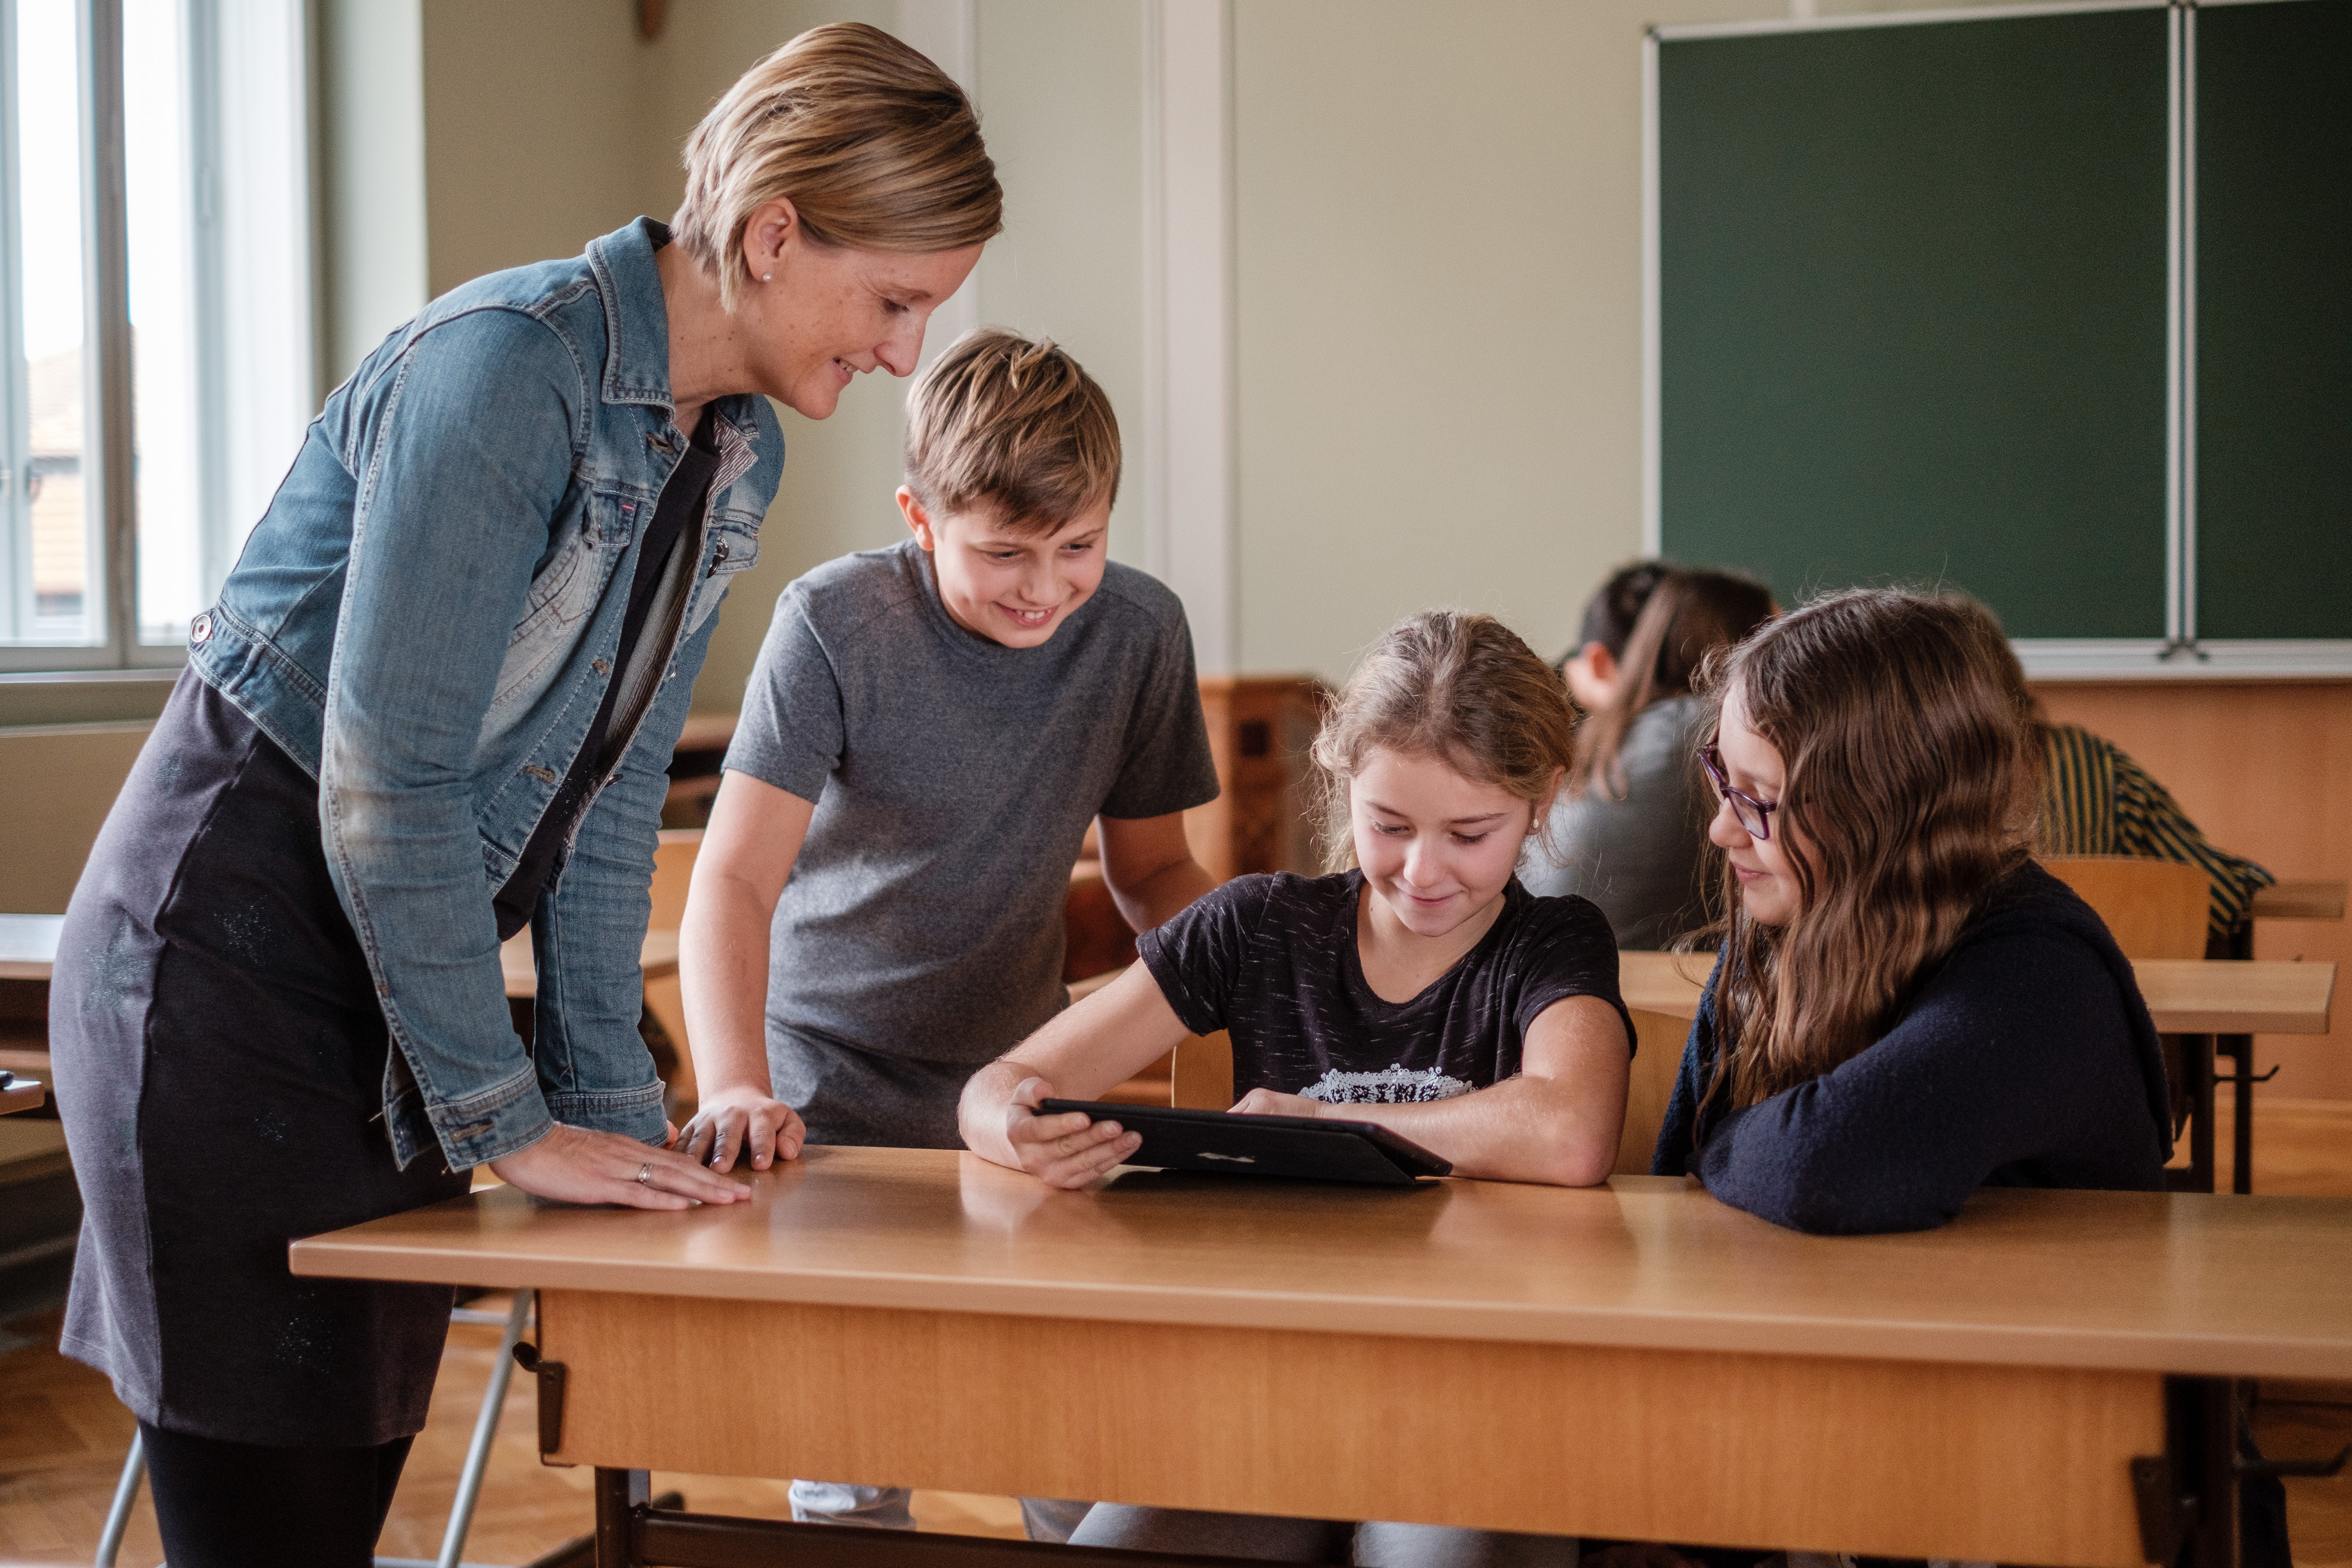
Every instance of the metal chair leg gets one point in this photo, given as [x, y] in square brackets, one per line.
[126, 1493]
[469, 1479]
[486, 1429]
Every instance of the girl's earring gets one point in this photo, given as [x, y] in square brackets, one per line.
[767, 278]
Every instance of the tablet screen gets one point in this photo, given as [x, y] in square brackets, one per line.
[1297, 1147]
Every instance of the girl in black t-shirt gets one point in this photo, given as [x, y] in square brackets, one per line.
[1421, 988]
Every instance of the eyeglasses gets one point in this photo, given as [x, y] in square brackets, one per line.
[1756, 815]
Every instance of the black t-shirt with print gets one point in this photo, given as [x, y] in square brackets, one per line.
[1272, 959]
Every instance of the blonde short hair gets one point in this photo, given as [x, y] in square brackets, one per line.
[1013, 425]
[876, 147]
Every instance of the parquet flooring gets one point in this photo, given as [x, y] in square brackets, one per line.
[62, 1435]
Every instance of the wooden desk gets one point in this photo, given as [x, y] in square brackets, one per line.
[657, 956]
[28, 947]
[29, 944]
[1635, 1360]
[22, 1094]
[2187, 996]
[2309, 900]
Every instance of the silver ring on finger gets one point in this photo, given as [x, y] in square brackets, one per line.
[646, 1175]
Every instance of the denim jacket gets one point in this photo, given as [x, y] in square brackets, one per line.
[426, 618]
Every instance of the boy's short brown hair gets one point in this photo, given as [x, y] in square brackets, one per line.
[1016, 426]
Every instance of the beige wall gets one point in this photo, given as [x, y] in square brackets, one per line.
[536, 135]
[1061, 96]
[59, 782]
[1438, 221]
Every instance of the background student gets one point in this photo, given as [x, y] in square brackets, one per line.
[1423, 989]
[2096, 800]
[1629, 829]
[1590, 668]
[876, 909]
[1907, 1007]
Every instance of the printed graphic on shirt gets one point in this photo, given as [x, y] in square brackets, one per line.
[1398, 1085]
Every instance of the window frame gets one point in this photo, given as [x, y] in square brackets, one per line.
[108, 470]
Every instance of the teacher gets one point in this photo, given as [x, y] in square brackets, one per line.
[432, 706]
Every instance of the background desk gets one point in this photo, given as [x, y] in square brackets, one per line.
[2227, 1001]
[2185, 996]
[28, 949]
[1516, 1357]
[2301, 901]
[657, 955]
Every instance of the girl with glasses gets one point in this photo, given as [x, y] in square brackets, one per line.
[1907, 1007]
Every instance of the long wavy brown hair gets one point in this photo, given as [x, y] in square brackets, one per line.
[1909, 793]
[1688, 615]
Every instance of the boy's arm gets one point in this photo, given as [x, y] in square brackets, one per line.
[1099, 1042]
[1557, 1123]
[1148, 868]
[754, 836]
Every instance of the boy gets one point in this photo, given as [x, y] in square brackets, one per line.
[876, 908]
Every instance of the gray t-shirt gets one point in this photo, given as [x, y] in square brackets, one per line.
[920, 932]
[1638, 858]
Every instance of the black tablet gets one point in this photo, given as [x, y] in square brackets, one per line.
[1293, 1146]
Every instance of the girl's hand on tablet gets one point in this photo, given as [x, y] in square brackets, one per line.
[1065, 1149]
[1266, 1102]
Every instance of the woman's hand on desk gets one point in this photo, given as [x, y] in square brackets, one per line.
[575, 1165]
[744, 1122]
[1065, 1150]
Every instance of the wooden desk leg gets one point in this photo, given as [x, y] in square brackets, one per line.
[618, 1495]
[2198, 1053]
[2188, 1498]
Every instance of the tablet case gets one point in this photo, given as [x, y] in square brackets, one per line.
[1298, 1147]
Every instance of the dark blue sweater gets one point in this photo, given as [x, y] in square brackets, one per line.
[2026, 1059]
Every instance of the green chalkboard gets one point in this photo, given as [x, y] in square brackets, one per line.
[2275, 321]
[1912, 310]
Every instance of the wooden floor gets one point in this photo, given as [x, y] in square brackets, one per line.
[62, 1435]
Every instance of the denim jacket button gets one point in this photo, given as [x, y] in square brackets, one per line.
[601, 666]
[201, 628]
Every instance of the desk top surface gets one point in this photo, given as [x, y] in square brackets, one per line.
[29, 943]
[28, 947]
[2300, 900]
[2163, 1282]
[2187, 996]
[22, 1094]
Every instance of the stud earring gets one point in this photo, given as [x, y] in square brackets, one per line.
[767, 278]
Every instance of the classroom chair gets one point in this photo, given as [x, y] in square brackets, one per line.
[1201, 1078]
[2156, 910]
[1658, 1040]
[469, 1476]
[674, 855]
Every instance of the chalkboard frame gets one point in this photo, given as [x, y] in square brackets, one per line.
[2180, 654]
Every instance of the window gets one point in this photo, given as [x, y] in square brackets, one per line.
[156, 367]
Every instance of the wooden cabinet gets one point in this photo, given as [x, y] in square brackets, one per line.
[1260, 727]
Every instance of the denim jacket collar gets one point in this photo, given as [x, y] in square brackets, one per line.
[636, 317]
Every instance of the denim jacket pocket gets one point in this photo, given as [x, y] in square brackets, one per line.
[735, 547]
[566, 591]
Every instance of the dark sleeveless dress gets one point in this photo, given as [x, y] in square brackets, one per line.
[219, 1058]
